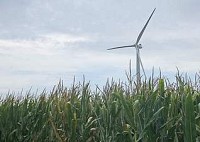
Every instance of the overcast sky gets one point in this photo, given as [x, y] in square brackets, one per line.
[42, 41]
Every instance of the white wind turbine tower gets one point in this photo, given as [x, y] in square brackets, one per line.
[137, 47]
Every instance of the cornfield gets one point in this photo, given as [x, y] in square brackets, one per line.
[155, 111]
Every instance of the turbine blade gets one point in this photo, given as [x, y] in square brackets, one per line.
[121, 47]
[142, 67]
[141, 33]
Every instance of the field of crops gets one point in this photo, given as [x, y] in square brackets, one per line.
[157, 111]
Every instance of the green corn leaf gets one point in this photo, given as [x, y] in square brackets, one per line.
[189, 120]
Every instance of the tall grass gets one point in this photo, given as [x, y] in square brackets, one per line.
[156, 111]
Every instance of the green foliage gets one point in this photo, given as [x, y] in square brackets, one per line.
[156, 111]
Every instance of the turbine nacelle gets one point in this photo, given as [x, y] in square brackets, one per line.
[139, 46]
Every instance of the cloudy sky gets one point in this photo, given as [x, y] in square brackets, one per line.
[42, 41]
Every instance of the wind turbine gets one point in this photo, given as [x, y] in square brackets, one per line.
[137, 47]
